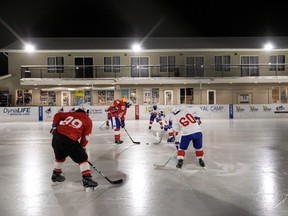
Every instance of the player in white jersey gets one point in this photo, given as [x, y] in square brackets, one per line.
[156, 114]
[186, 125]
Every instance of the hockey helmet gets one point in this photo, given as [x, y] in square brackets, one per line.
[124, 99]
[80, 110]
[83, 108]
[176, 110]
[129, 103]
[154, 106]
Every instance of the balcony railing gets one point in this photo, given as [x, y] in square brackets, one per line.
[138, 71]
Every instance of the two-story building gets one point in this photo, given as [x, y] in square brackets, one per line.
[165, 71]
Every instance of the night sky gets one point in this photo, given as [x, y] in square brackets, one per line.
[133, 18]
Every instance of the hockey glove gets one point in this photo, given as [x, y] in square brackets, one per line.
[171, 139]
[198, 120]
[53, 128]
[167, 127]
[122, 124]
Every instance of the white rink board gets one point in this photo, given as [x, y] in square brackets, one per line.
[19, 114]
[97, 113]
[260, 111]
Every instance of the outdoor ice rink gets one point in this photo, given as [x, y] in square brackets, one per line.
[246, 172]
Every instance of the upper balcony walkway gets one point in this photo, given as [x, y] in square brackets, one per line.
[147, 73]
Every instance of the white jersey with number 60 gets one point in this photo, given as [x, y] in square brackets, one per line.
[185, 122]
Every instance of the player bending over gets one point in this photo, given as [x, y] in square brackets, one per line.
[117, 114]
[186, 125]
[71, 132]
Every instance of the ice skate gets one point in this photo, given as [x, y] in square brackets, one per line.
[180, 163]
[201, 162]
[118, 142]
[89, 183]
[57, 177]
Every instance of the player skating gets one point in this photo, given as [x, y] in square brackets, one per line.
[71, 131]
[118, 113]
[186, 125]
[166, 124]
[108, 110]
[156, 115]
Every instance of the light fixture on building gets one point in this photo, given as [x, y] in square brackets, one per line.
[136, 47]
[29, 48]
[268, 46]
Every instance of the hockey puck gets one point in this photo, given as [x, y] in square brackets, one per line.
[147, 143]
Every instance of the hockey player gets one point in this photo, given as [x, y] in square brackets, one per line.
[71, 132]
[156, 114]
[109, 110]
[117, 114]
[186, 125]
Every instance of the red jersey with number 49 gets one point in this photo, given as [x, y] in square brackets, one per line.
[75, 125]
[186, 123]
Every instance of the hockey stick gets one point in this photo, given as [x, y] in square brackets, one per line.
[119, 181]
[163, 165]
[161, 137]
[103, 124]
[130, 137]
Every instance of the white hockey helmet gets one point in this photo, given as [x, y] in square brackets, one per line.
[176, 110]
[83, 108]
[129, 103]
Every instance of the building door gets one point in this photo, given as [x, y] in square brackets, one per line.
[168, 97]
[147, 96]
[211, 97]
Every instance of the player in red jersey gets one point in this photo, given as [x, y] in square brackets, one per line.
[117, 114]
[109, 110]
[71, 131]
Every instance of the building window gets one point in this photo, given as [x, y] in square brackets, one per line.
[222, 63]
[211, 96]
[129, 94]
[112, 64]
[279, 95]
[83, 67]
[277, 63]
[83, 97]
[55, 64]
[167, 63]
[249, 66]
[105, 97]
[151, 96]
[133, 95]
[195, 66]
[23, 97]
[48, 98]
[245, 98]
[186, 96]
[5, 98]
[155, 95]
[139, 66]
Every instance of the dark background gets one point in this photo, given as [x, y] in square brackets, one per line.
[155, 18]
